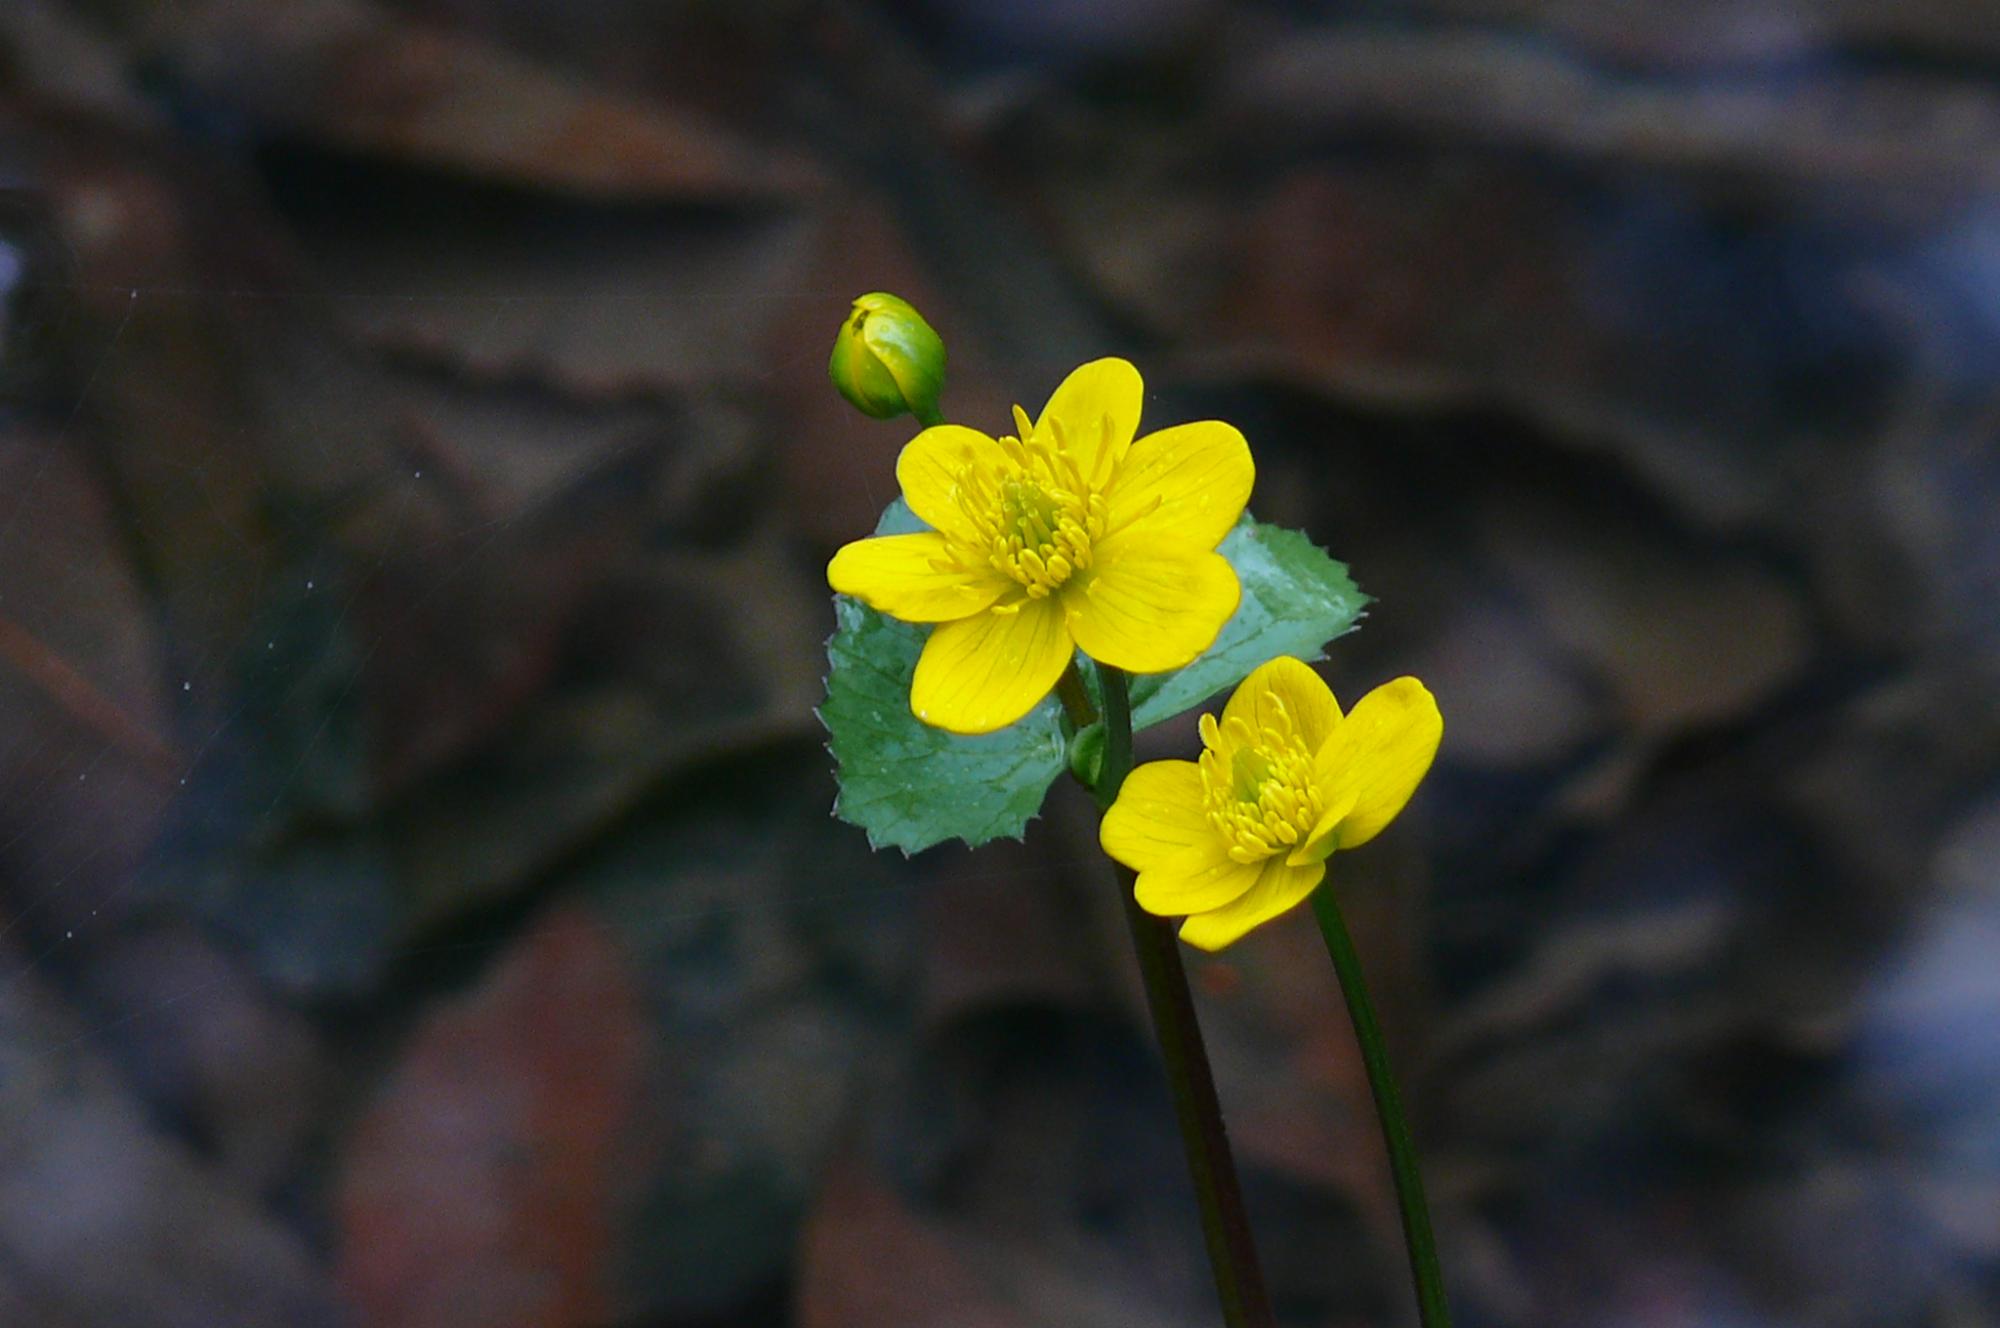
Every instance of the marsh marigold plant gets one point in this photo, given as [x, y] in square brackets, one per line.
[1066, 534]
[1242, 835]
[1072, 534]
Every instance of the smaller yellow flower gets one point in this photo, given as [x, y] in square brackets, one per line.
[1067, 535]
[1239, 837]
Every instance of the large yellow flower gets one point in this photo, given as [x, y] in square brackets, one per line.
[1243, 835]
[1067, 535]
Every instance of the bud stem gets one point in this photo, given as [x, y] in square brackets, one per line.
[927, 414]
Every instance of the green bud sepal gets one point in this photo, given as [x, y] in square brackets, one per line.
[888, 361]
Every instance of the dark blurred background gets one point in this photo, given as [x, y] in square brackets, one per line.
[420, 905]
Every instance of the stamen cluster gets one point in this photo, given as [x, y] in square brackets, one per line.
[1257, 784]
[1036, 516]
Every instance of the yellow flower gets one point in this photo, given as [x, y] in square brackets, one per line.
[1068, 534]
[1243, 835]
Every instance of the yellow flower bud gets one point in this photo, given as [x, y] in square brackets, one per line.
[888, 361]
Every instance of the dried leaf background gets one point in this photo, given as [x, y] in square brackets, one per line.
[419, 905]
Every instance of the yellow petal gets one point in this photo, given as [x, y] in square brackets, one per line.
[1378, 755]
[1191, 480]
[1285, 683]
[1158, 813]
[912, 577]
[1200, 877]
[1150, 602]
[984, 672]
[928, 472]
[1324, 837]
[1279, 888]
[1097, 407]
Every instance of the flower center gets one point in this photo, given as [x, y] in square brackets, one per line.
[1257, 783]
[1035, 513]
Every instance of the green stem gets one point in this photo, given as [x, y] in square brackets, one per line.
[1239, 1283]
[1075, 699]
[1433, 1310]
[930, 417]
[1117, 698]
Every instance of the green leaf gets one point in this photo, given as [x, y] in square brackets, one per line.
[910, 785]
[1295, 600]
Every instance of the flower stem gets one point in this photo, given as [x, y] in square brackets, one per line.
[1433, 1310]
[1117, 698]
[1239, 1283]
[927, 415]
[1075, 700]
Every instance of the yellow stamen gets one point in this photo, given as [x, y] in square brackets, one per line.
[1261, 797]
[1033, 516]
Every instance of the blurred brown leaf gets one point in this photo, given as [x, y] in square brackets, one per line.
[361, 77]
[104, 1220]
[868, 1261]
[1515, 701]
[1898, 141]
[775, 953]
[596, 302]
[1733, 34]
[88, 766]
[994, 932]
[201, 1039]
[1678, 637]
[482, 1187]
[670, 676]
